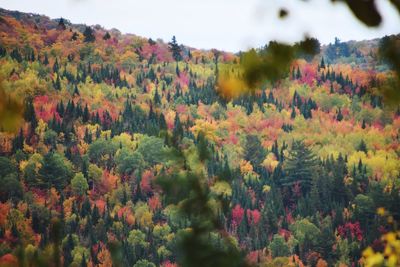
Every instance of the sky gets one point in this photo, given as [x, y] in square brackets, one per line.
[229, 25]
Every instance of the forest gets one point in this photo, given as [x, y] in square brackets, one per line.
[119, 150]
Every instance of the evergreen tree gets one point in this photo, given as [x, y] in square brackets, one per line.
[61, 24]
[339, 116]
[298, 73]
[177, 132]
[86, 114]
[254, 151]
[57, 83]
[322, 65]
[156, 99]
[74, 36]
[89, 35]
[300, 167]
[30, 114]
[106, 36]
[46, 60]
[175, 49]
[76, 91]
[362, 147]
[293, 114]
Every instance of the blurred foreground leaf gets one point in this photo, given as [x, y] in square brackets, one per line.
[365, 11]
[268, 64]
[389, 51]
[11, 111]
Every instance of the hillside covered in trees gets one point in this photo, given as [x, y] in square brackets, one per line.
[121, 150]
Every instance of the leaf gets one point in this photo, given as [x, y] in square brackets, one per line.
[365, 11]
[283, 13]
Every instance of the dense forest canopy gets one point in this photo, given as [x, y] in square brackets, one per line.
[126, 151]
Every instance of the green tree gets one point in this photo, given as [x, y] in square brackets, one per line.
[89, 35]
[56, 171]
[128, 161]
[300, 167]
[307, 233]
[279, 247]
[322, 65]
[152, 149]
[30, 114]
[101, 151]
[362, 146]
[144, 263]
[61, 24]
[137, 238]
[6, 167]
[254, 151]
[79, 184]
[106, 36]
[364, 209]
[175, 49]
[10, 188]
[95, 172]
[50, 138]
[339, 116]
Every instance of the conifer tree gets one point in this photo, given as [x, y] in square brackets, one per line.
[293, 114]
[89, 35]
[254, 151]
[322, 65]
[298, 73]
[175, 49]
[61, 24]
[339, 116]
[106, 36]
[30, 114]
[362, 146]
[300, 167]
[57, 83]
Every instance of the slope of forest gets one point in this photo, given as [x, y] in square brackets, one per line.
[304, 172]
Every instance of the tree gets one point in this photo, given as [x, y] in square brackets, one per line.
[101, 150]
[157, 98]
[144, 263]
[89, 35]
[128, 161]
[298, 73]
[61, 24]
[300, 167]
[279, 247]
[177, 132]
[293, 114]
[79, 184]
[322, 65]
[306, 233]
[363, 124]
[95, 173]
[362, 147]
[56, 171]
[50, 138]
[30, 114]
[175, 49]
[364, 209]
[57, 82]
[339, 116]
[254, 151]
[152, 149]
[10, 188]
[106, 36]
[6, 167]
[137, 240]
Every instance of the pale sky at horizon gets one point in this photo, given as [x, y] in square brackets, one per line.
[230, 25]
